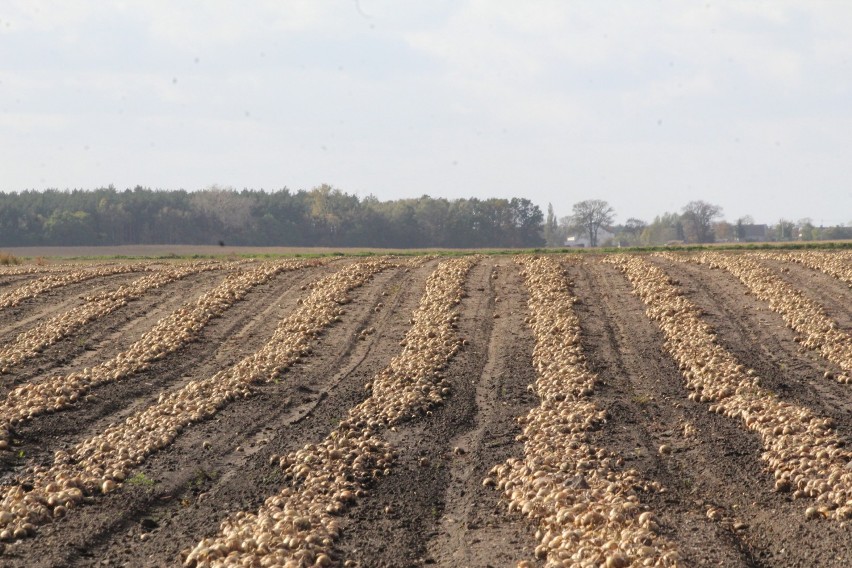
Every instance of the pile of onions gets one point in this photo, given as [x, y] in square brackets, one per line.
[803, 450]
[99, 464]
[52, 281]
[31, 342]
[818, 331]
[168, 335]
[299, 526]
[836, 264]
[579, 496]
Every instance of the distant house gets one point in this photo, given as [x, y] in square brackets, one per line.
[752, 233]
[605, 236]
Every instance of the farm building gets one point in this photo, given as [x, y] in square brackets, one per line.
[752, 233]
[605, 237]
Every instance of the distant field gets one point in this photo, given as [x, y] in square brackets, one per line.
[178, 250]
[164, 251]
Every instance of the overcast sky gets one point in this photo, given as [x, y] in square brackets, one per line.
[645, 104]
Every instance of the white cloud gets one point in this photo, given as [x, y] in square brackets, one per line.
[200, 25]
[21, 124]
[54, 16]
[647, 104]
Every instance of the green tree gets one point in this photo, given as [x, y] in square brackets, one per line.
[807, 231]
[551, 228]
[665, 228]
[323, 216]
[70, 228]
[526, 222]
[784, 230]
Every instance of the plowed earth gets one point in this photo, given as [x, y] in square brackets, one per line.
[432, 508]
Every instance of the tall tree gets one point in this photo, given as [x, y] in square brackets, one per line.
[740, 226]
[633, 227]
[784, 230]
[590, 215]
[723, 231]
[698, 217]
[807, 231]
[526, 220]
[665, 228]
[551, 228]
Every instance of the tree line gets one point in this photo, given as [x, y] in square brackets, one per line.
[326, 216]
[697, 222]
[323, 216]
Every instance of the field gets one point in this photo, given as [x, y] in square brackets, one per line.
[557, 410]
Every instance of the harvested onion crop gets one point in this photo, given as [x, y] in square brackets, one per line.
[584, 503]
[298, 526]
[100, 463]
[804, 451]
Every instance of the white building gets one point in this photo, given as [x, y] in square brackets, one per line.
[605, 238]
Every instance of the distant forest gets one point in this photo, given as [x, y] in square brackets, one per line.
[323, 216]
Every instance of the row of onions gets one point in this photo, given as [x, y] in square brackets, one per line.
[31, 342]
[52, 281]
[169, 334]
[803, 450]
[836, 264]
[299, 525]
[579, 496]
[819, 332]
[27, 269]
[100, 463]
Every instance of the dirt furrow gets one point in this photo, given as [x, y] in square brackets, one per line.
[818, 331]
[169, 335]
[31, 342]
[109, 336]
[16, 319]
[837, 264]
[298, 524]
[642, 391]
[12, 280]
[397, 521]
[758, 337]
[102, 461]
[474, 528]
[586, 505]
[41, 285]
[675, 418]
[801, 449]
[832, 294]
[222, 343]
[227, 457]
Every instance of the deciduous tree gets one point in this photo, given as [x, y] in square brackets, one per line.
[633, 228]
[590, 215]
[698, 217]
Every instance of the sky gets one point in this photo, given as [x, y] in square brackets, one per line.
[647, 105]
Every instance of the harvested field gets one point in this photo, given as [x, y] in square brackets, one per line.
[476, 411]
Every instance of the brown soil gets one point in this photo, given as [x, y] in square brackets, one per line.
[438, 513]
[9, 281]
[832, 293]
[18, 318]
